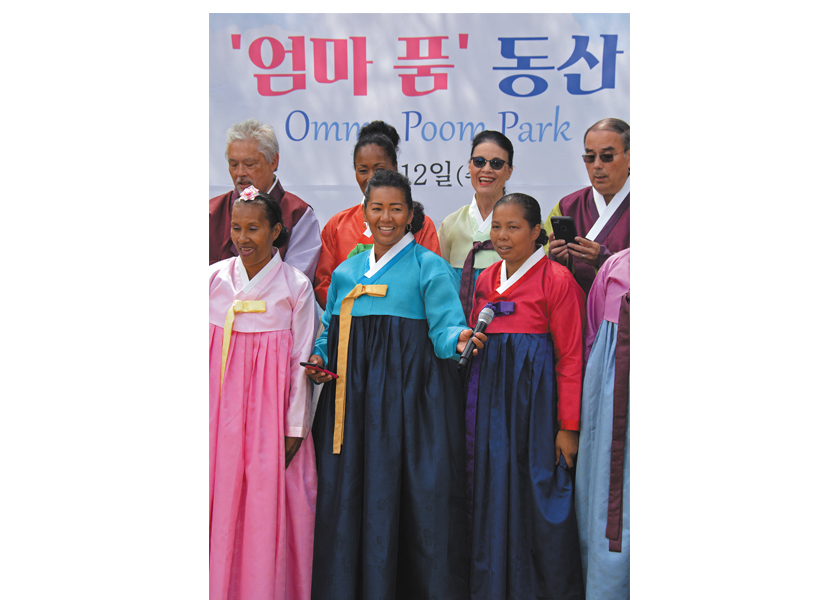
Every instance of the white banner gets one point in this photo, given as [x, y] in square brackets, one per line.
[541, 79]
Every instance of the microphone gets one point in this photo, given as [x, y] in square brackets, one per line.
[484, 317]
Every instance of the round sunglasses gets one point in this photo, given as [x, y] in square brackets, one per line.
[495, 163]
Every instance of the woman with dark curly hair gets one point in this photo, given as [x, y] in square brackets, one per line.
[389, 430]
[347, 232]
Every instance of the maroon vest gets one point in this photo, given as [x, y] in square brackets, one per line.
[615, 236]
[221, 246]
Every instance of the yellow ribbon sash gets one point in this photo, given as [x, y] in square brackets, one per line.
[343, 341]
[239, 306]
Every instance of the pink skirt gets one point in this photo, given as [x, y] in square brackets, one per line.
[262, 516]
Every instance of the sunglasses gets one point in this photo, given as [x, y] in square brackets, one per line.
[495, 164]
[605, 157]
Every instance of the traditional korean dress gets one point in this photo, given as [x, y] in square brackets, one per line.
[343, 234]
[602, 493]
[390, 440]
[262, 515]
[523, 386]
[465, 244]
[303, 246]
[607, 224]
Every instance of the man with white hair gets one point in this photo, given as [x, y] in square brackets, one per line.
[253, 155]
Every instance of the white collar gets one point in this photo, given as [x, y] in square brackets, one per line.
[250, 283]
[606, 211]
[601, 204]
[480, 225]
[520, 272]
[376, 265]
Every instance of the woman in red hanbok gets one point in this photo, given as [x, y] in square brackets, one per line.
[523, 416]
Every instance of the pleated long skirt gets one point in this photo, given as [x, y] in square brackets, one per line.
[523, 527]
[262, 515]
[606, 574]
[390, 519]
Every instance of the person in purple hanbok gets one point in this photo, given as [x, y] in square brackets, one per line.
[602, 493]
[602, 211]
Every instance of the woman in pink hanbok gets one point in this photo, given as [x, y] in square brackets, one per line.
[262, 462]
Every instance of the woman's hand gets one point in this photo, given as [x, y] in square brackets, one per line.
[478, 339]
[292, 446]
[317, 376]
[566, 443]
[585, 251]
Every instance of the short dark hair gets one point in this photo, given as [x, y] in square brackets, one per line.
[272, 212]
[616, 126]
[396, 180]
[497, 138]
[531, 212]
[381, 134]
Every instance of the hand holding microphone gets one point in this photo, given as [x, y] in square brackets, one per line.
[470, 341]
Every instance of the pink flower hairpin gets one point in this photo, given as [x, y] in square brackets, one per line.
[249, 193]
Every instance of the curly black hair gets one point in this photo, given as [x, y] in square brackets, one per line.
[394, 179]
[381, 134]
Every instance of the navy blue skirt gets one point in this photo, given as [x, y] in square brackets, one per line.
[391, 509]
[523, 527]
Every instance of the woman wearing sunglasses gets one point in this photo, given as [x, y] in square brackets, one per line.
[465, 234]
[602, 211]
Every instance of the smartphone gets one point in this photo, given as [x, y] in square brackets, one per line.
[564, 229]
[317, 368]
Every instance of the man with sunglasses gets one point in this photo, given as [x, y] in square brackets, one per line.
[601, 212]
